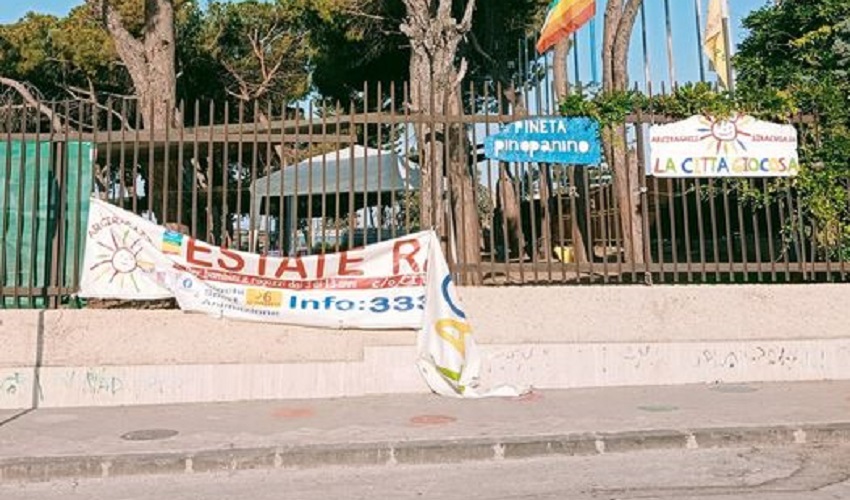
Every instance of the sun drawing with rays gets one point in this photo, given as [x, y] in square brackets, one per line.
[120, 260]
[724, 134]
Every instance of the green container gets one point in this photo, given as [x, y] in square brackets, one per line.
[36, 179]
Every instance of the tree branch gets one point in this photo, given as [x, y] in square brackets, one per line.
[466, 21]
[461, 74]
[476, 45]
[24, 92]
[78, 93]
[366, 15]
[244, 88]
[444, 11]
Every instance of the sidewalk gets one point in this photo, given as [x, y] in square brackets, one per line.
[100, 442]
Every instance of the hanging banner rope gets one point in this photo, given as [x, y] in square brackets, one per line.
[403, 283]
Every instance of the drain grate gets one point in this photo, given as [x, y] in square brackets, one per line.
[432, 420]
[658, 408]
[149, 435]
[734, 388]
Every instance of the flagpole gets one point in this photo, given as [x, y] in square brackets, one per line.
[594, 68]
[577, 61]
[727, 36]
[646, 64]
[670, 63]
[698, 7]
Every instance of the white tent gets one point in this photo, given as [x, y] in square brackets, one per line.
[362, 172]
[372, 171]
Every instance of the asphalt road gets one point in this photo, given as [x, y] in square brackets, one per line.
[787, 473]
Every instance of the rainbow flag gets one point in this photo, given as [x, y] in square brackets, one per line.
[563, 19]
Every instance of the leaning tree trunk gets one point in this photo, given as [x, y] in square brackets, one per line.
[150, 61]
[619, 24]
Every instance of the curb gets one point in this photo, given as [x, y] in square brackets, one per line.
[48, 468]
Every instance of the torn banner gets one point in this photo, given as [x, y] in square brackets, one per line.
[402, 284]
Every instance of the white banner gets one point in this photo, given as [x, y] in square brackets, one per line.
[402, 283]
[740, 146]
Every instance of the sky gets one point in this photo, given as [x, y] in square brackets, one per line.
[12, 10]
[686, 51]
[686, 55]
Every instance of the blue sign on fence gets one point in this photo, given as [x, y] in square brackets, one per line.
[547, 140]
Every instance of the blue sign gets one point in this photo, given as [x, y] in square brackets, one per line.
[572, 141]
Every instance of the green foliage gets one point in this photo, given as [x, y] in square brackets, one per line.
[607, 108]
[51, 53]
[795, 62]
[261, 48]
[214, 51]
[801, 51]
[612, 108]
[821, 186]
[85, 46]
[497, 26]
[356, 41]
[199, 71]
[360, 40]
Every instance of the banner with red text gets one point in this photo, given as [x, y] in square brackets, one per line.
[402, 284]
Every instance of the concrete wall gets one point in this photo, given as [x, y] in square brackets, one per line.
[547, 337]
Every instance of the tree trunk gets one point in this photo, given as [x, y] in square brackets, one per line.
[578, 226]
[509, 205]
[620, 46]
[560, 69]
[434, 38]
[150, 61]
[462, 180]
[427, 101]
[619, 24]
[613, 14]
[507, 191]
[628, 197]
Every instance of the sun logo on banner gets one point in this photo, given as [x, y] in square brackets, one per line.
[724, 134]
[120, 260]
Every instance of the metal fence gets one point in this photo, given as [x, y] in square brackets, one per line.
[287, 180]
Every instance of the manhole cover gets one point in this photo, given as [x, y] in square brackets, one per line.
[432, 420]
[658, 408]
[149, 435]
[734, 388]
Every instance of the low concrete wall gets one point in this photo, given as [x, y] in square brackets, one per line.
[18, 337]
[547, 337]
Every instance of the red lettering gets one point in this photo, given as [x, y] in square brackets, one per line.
[320, 267]
[285, 267]
[194, 247]
[238, 263]
[345, 261]
[398, 256]
[261, 269]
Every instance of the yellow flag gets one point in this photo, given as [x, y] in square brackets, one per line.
[715, 40]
